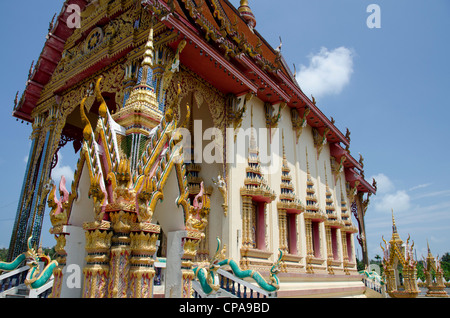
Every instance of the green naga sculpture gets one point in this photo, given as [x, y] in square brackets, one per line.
[35, 278]
[210, 285]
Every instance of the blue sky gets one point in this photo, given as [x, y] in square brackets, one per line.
[387, 85]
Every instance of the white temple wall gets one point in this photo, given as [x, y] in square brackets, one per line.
[203, 122]
[236, 175]
[320, 171]
[83, 206]
[82, 211]
[167, 213]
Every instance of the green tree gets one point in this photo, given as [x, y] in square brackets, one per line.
[378, 259]
[3, 254]
[420, 272]
[360, 265]
[445, 264]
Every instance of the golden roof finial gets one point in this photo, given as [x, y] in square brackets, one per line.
[394, 227]
[142, 99]
[395, 236]
[87, 131]
[103, 108]
[247, 14]
[147, 62]
[148, 54]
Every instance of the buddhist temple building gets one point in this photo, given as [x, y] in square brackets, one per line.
[190, 130]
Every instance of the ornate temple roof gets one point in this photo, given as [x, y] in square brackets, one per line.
[222, 47]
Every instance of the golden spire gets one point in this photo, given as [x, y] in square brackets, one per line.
[394, 227]
[142, 101]
[395, 235]
[147, 62]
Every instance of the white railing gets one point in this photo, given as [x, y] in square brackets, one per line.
[11, 280]
[14, 281]
[241, 288]
[374, 282]
[42, 292]
[233, 287]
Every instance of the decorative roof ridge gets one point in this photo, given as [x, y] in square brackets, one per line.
[55, 32]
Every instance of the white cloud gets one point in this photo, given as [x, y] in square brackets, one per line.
[420, 186]
[398, 201]
[444, 193]
[328, 72]
[388, 197]
[61, 170]
[384, 184]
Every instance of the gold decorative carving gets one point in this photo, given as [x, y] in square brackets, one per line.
[298, 123]
[221, 184]
[273, 119]
[396, 254]
[236, 114]
[320, 140]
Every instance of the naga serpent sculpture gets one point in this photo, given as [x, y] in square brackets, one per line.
[209, 283]
[35, 278]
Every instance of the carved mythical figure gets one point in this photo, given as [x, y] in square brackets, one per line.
[35, 278]
[58, 213]
[208, 281]
[198, 217]
[221, 184]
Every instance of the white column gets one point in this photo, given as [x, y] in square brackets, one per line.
[175, 251]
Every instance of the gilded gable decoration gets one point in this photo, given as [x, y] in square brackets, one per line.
[299, 122]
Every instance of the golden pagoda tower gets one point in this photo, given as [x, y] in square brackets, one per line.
[434, 276]
[141, 112]
[399, 258]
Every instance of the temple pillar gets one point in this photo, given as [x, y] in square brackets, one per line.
[329, 250]
[247, 213]
[175, 251]
[283, 232]
[96, 272]
[181, 250]
[143, 247]
[120, 254]
[190, 251]
[309, 246]
[345, 252]
[61, 258]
